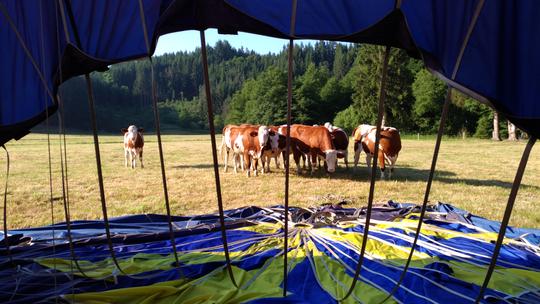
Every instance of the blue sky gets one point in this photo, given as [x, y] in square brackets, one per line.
[190, 40]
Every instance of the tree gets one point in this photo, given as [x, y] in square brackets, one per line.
[495, 134]
[334, 98]
[340, 62]
[262, 100]
[347, 119]
[307, 93]
[465, 113]
[364, 81]
[429, 93]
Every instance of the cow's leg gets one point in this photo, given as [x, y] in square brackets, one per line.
[346, 159]
[236, 160]
[368, 160]
[393, 160]
[318, 159]
[130, 158]
[297, 155]
[226, 159]
[357, 151]
[140, 158]
[264, 160]
[381, 163]
[276, 159]
[243, 163]
[307, 158]
[247, 163]
[313, 160]
[254, 163]
[126, 156]
[268, 160]
[133, 158]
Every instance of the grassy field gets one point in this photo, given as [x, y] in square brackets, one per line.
[472, 174]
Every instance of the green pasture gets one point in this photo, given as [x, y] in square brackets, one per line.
[472, 174]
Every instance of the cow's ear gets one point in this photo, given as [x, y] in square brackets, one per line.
[124, 130]
[272, 133]
[141, 130]
[253, 133]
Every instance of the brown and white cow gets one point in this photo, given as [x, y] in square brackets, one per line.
[313, 141]
[250, 143]
[389, 146]
[341, 142]
[133, 145]
[230, 132]
[275, 147]
[228, 143]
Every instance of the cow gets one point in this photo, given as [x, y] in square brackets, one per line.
[282, 130]
[389, 146]
[251, 143]
[230, 132]
[133, 145]
[313, 141]
[341, 142]
[276, 146]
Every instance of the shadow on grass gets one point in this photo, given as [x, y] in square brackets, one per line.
[364, 174]
[410, 174]
[488, 182]
[197, 166]
[401, 174]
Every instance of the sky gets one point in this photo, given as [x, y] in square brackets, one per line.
[190, 40]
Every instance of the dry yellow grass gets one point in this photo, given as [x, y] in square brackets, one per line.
[472, 174]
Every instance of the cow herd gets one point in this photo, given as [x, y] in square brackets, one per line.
[250, 144]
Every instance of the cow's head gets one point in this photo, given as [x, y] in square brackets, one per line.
[264, 133]
[132, 131]
[273, 140]
[331, 159]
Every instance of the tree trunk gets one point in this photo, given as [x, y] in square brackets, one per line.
[383, 119]
[495, 134]
[511, 131]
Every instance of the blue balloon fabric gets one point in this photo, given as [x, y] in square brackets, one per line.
[450, 260]
[497, 40]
